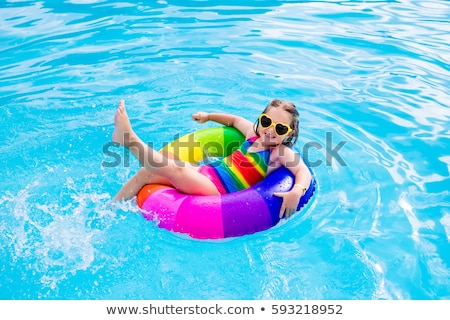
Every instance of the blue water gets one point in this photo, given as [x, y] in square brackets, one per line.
[371, 80]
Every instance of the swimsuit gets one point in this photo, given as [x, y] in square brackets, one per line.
[238, 171]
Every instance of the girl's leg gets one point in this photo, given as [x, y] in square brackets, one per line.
[140, 179]
[131, 188]
[181, 175]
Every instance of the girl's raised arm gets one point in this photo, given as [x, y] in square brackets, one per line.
[230, 120]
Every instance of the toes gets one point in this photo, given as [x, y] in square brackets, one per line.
[121, 108]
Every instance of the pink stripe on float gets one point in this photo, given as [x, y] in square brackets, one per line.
[162, 207]
[200, 217]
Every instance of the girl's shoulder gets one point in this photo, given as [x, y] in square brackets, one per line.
[249, 134]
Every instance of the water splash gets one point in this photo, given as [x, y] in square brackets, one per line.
[56, 235]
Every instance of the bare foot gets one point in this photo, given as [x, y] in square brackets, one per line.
[122, 126]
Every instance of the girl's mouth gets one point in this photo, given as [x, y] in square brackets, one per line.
[268, 135]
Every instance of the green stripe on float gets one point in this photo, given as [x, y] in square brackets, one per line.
[211, 141]
[233, 138]
[219, 141]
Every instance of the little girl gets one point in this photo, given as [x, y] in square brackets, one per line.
[267, 147]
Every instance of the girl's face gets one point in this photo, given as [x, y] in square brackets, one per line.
[268, 135]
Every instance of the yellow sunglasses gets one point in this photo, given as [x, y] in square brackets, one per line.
[281, 129]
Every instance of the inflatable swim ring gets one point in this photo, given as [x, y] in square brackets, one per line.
[222, 216]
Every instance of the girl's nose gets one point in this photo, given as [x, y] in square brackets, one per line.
[270, 130]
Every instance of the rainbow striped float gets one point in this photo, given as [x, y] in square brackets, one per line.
[223, 216]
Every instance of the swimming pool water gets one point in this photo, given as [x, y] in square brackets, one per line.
[370, 79]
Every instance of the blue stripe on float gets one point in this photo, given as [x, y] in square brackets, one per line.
[280, 180]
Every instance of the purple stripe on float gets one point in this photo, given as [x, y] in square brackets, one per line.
[244, 212]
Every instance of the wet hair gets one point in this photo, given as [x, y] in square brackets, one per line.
[292, 110]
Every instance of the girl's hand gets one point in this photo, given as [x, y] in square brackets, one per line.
[289, 204]
[201, 117]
